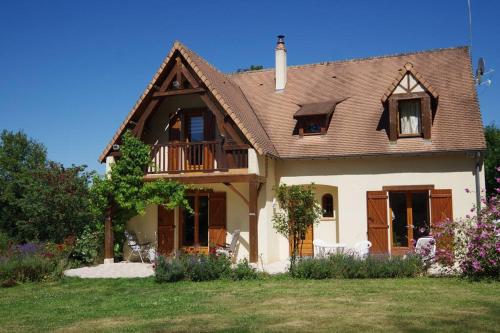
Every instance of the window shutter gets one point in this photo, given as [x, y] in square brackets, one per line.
[166, 228]
[425, 108]
[441, 209]
[217, 219]
[377, 221]
[393, 119]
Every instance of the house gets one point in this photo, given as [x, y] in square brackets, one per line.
[390, 143]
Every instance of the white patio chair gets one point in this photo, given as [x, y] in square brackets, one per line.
[319, 247]
[362, 249]
[229, 249]
[135, 246]
[426, 247]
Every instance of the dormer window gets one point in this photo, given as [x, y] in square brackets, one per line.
[314, 118]
[410, 117]
[408, 100]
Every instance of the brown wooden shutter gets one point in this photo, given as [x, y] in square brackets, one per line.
[217, 219]
[377, 221]
[166, 228]
[425, 108]
[393, 119]
[441, 209]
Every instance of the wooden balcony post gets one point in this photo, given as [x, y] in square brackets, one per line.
[253, 221]
[108, 237]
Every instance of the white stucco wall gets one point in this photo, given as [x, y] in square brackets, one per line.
[347, 180]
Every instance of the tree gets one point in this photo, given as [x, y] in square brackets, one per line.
[298, 211]
[39, 199]
[125, 191]
[492, 157]
[251, 68]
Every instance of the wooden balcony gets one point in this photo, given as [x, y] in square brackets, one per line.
[204, 156]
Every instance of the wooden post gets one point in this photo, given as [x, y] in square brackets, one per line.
[108, 237]
[253, 221]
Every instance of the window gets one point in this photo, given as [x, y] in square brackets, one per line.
[195, 129]
[327, 205]
[409, 117]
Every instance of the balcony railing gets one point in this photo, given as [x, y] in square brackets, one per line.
[205, 156]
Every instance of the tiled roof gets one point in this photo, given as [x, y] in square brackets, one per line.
[316, 109]
[358, 124]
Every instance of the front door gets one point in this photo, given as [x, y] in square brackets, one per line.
[306, 248]
[166, 228]
[409, 215]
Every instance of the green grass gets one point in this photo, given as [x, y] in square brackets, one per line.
[275, 304]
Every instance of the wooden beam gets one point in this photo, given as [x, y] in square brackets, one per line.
[178, 70]
[253, 220]
[142, 121]
[108, 235]
[208, 178]
[187, 91]
[187, 74]
[408, 188]
[235, 190]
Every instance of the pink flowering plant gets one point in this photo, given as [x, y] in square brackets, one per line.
[471, 245]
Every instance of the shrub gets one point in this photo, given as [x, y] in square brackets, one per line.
[4, 242]
[32, 268]
[205, 268]
[89, 245]
[473, 242]
[243, 271]
[169, 271]
[351, 267]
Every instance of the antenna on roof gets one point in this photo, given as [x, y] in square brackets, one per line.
[481, 72]
[469, 15]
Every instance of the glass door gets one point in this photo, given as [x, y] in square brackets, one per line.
[409, 219]
[194, 226]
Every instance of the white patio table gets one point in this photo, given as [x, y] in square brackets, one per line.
[334, 248]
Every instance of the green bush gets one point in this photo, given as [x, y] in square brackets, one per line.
[243, 271]
[206, 268]
[169, 271]
[29, 268]
[351, 267]
[4, 242]
[89, 245]
[193, 267]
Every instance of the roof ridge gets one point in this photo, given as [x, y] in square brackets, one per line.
[354, 59]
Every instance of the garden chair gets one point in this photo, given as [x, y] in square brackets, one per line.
[229, 249]
[362, 249]
[319, 247]
[426, 247]
[135, 246]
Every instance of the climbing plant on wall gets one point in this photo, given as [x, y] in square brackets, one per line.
[125, 191]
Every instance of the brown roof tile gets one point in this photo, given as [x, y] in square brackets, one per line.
[357, 125]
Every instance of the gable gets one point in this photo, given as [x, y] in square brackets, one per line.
[408, 84]
[218, 93]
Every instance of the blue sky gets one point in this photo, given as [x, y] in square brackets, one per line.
[70, 71]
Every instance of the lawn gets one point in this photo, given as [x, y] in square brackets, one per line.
[275, 304]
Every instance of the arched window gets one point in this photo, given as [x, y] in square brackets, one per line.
[327, 205]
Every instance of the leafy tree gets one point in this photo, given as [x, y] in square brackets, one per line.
[299, 210]
[39, 199]
[125, 190]
[251, 68]
[492, 158]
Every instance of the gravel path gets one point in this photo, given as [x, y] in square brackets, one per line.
[116, 270]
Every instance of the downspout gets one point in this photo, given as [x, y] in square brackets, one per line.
[478, 162]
